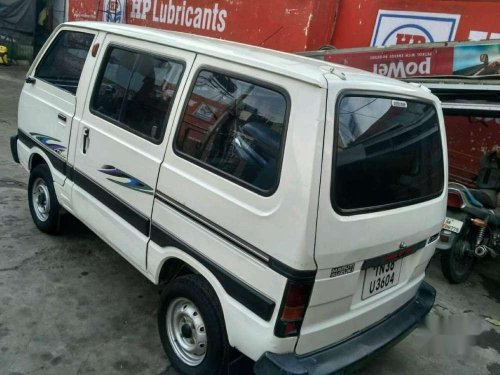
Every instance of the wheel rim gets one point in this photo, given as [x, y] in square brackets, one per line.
[40, 198]
[186, 331]
[461, 257]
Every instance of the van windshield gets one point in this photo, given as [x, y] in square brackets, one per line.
[388, 154]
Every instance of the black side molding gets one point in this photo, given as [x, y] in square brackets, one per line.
[121, 208]
[13, 148]
[26, 139]
[127, 213]
[242, 245]
[291, 273]
[58, 163]
[261, 305]
[252, 299]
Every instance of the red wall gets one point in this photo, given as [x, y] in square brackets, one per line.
[468, 138]
[287, 25]
[297, 25]
[356, 21]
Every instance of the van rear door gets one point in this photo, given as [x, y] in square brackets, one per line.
[382, 203]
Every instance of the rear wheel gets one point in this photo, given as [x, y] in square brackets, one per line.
[42, 199]
[192, 328]
[458, 262]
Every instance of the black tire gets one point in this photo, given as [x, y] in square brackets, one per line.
[51, 224]
[456, 266]
[197, 290]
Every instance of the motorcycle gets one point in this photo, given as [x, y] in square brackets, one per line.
[471, 230]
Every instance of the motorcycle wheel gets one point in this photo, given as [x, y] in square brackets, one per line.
[458, 262]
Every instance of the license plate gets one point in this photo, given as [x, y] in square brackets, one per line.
[380, 278]
[453, 225]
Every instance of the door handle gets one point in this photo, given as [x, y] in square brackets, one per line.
[30, 80]
[61, 117]
[86, 133]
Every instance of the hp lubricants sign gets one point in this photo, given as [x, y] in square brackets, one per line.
[399, 27]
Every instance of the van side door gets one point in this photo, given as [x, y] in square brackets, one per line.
[48, 99]
[122, 137]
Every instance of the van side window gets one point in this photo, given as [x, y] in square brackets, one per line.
[63, 62]
[235, 128]
[135, 91]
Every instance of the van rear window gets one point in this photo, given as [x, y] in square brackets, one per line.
[388, 154]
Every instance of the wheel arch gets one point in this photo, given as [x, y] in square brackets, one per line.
[179, 263]
[37, 158]
[177, 260]
[172, 268]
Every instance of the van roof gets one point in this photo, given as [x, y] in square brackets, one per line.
[287, 64]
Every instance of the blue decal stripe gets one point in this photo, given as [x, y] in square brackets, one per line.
[132, 183]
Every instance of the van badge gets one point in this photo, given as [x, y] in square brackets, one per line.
[399, 103]
[342, 270]
[402, 245]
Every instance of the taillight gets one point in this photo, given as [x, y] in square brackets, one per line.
[444, 238]
[455, 199]
[293, 309]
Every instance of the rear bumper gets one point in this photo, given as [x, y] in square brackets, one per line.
[13, 148]
[352, 352]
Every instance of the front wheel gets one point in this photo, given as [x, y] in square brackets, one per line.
[42, 199]
[458, 262]
[192, 328]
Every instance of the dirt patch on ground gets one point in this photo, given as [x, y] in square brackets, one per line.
[489, 339]
[10, 183]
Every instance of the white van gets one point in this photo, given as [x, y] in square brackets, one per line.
[290, 206]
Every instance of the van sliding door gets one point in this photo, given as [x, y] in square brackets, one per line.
[121, 139]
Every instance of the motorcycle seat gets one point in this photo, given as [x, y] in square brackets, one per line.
[486, 196]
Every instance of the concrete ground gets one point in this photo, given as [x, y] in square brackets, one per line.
[70, 305]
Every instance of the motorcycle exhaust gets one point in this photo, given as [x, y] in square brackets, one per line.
[482, 250]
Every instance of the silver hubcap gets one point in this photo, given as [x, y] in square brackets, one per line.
[41, 199]
[186, 331]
